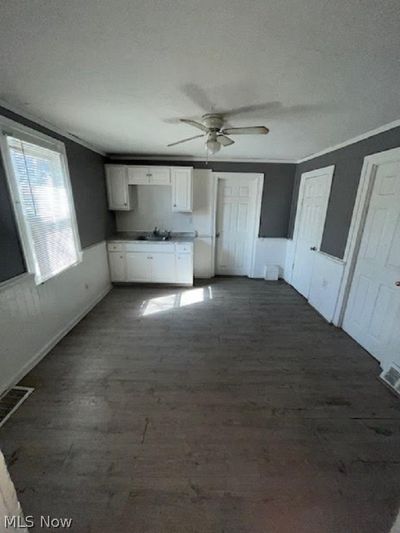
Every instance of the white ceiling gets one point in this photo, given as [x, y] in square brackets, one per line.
[119, 73]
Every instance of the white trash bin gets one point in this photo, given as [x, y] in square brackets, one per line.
[271, 272]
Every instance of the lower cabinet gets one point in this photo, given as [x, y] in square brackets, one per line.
[173, 265]
[117, 266]
[138, 266]
[163, 268]
[184, 268]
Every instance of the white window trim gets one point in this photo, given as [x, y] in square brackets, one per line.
[22, 132]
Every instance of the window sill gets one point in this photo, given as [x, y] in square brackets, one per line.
[63, 271]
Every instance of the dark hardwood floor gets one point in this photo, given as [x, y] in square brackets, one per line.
[230, 407]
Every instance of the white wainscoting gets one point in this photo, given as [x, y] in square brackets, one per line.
[33, 318]
[269, 251]
[9, 505]
[325, 284]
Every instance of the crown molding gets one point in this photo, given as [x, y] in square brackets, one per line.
[353, 140]
[144, 157]
[40, 122]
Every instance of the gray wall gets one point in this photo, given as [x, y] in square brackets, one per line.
[348, 162]
[277, 193]
[95, 222]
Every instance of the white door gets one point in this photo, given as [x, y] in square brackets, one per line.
[182, 189]
[372, 314]
[117, 266]
[310, 220]
[138, 266]
[117, 187]
[163, 268]
[235, 224]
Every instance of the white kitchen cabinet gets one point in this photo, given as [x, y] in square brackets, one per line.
[149, 175]
[182, 189]
[138, 266]
[120, 177]
[138, 175]
[117, 188]
[184, 268]
[160, 176]
[148, 262]
[163, 268]
[117, 266]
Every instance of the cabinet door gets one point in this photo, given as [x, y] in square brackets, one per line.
[182, 179]
[160, 176]
[163, 268]
[117, 266]
[117, 188]
[184, 268]
[138, 266]
[138, 175]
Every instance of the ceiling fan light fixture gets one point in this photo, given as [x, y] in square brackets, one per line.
[213, 146]
[215, 134]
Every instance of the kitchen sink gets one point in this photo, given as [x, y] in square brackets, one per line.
[153, 238]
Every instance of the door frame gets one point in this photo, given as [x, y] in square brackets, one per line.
[330, 170]
[256, 219]
[357, 225]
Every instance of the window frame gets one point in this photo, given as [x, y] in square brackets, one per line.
[9, 127]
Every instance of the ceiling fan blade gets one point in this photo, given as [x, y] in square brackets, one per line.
[224, 140]
[185, 140]
[193, 123]
[250, 130]
[265, 108]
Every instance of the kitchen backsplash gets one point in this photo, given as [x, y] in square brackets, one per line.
[153, 208]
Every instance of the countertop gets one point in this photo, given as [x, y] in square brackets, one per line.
[133, 236]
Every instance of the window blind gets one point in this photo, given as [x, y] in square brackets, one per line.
[46, 208]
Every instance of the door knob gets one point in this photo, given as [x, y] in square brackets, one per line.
[217, 234]
[397, 283]
[313, 248]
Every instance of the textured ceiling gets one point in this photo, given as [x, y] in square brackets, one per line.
[119, 73]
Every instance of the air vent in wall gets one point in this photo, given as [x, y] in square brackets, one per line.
[11, 400]
[391, 377]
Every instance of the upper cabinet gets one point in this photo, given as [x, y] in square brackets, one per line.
[160, 176]
[117, 187]
[182, 189]
[119, 177]
[138, 175]
[149, 175]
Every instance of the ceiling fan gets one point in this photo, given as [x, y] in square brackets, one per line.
[215, 135]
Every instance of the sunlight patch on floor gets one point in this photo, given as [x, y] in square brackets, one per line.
[175, 301]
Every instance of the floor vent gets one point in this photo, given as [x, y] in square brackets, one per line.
[391, 377]
[11, 400]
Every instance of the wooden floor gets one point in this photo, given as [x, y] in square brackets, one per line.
[231, 407]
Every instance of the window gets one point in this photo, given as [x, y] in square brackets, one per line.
[40, 187]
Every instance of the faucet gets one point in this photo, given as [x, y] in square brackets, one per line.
[164, 235]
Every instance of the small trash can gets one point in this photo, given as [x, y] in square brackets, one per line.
[271, 272]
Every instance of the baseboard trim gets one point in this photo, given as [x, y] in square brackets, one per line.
[55, 340]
